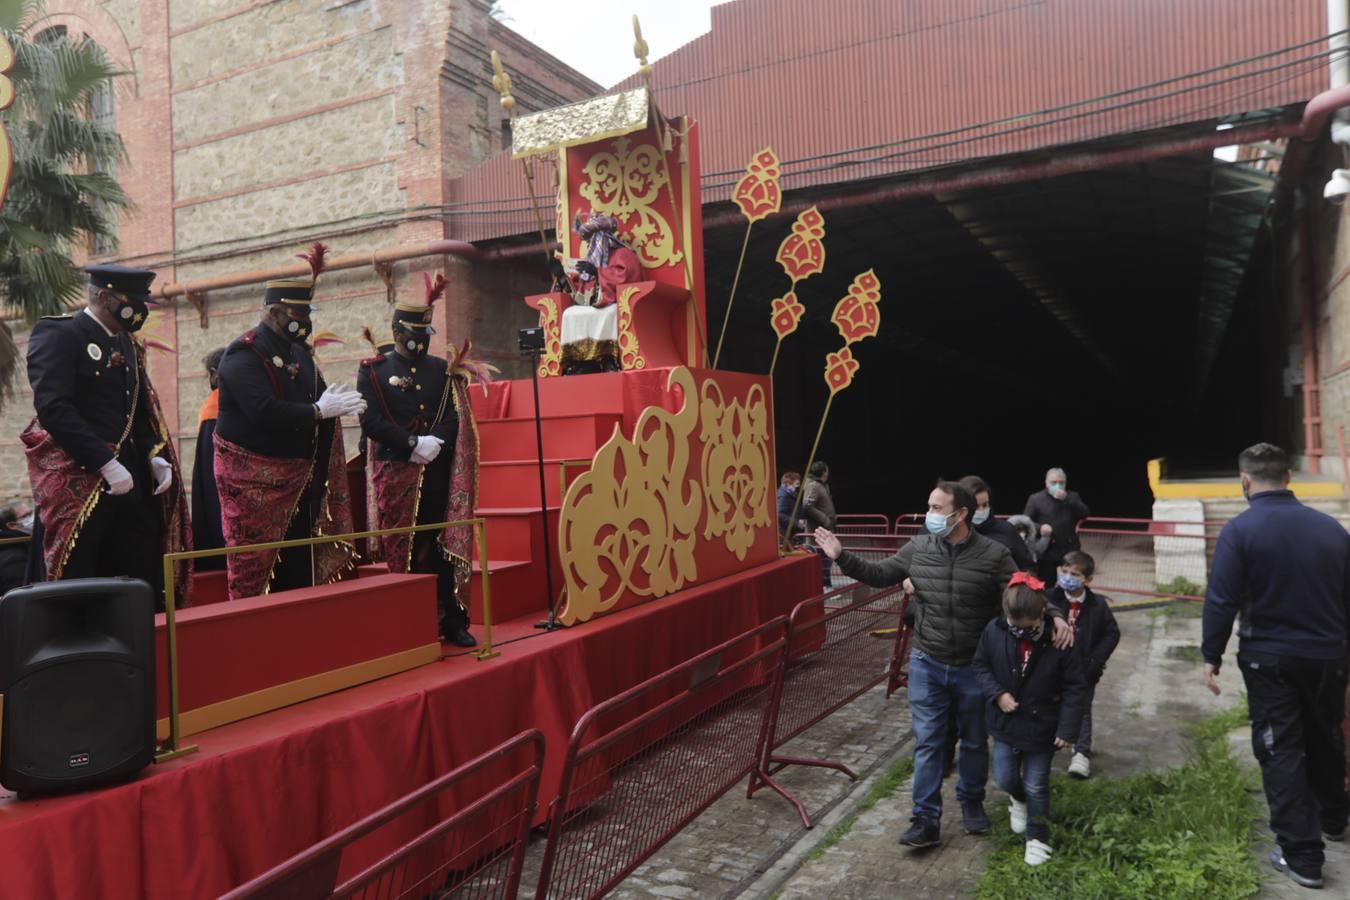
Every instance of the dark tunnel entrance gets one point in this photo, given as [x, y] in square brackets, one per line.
[1092, 321]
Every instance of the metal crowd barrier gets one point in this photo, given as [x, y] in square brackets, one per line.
[173, 748]
[642, 765]
[833, 659]
[860, 523]
[477, 851]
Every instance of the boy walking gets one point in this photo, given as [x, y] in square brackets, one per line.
[1034, 700]
[1096, 635]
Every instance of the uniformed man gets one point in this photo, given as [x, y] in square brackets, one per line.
[105, 476]
[411, 425]
[280, 464]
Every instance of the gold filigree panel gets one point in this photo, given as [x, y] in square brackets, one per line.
[630, 352]
[627, 183]
[550, 361]
[579, 123]
[736, 468]
[627, 526]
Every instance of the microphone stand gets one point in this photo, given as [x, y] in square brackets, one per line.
[551, 623]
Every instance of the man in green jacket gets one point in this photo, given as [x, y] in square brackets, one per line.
[958, 576]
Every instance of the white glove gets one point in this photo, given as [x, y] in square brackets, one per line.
[163, 474]
[427, 449]
[118, 478]
[338, 401]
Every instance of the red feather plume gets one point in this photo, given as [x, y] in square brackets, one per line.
[435, 290]
[316, 257]
[370, 338]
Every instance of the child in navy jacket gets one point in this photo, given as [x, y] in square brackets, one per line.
[1095, 638]
[1035, 695]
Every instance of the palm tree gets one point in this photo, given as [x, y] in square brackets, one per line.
[62, 194]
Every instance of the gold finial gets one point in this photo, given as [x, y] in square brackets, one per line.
[501, 81]
[640, 50]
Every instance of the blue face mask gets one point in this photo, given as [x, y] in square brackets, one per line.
[982, 515]
[937, 525]
[1071, 583]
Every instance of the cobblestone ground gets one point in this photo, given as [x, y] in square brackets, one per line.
[727, 847]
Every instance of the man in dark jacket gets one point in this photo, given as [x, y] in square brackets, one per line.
[788, 486]
[1057, 511]
[1285, 570]
[817, 508]
[1096, 636]
[996, 529]
[958, 576]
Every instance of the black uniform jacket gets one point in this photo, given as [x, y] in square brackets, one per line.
[268, 387]
[84, 384]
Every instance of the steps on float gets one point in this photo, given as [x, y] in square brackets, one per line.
[565, 437]
[515, 483]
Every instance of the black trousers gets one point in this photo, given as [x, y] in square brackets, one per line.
[1297, 707]
[295, 565]
[428, 559]
[122, 536]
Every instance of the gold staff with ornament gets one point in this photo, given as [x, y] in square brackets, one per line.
[758, 195]
[802, 254]
[501, 82]
[857, 316]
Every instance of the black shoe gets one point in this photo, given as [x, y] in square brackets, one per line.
[1336, 836]
[460, 637]
[1307, 881]
[973, 817]
[921, 833]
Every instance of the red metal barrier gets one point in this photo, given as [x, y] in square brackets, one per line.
[476, 851]
[832, 660]
[645, 763]
[861, 523]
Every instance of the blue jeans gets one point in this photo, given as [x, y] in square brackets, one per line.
[937, 692]
[1026, 778]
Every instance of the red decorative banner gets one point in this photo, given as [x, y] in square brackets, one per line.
[802, 253]
[757, 193]
[858, 315]
[839, 370]
[786, 314]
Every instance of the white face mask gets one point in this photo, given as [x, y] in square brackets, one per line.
[25, 524]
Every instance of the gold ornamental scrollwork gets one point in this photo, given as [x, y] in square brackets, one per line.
[630, 352]
[627, 183]
[736, 470]
[550, 361]
[627, 526]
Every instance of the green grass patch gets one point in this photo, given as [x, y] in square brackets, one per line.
[1186, 832]
[1187, 653]
[885, 786]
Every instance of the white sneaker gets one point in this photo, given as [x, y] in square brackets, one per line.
[1017, 817]
[1080, 766]
[1037, 852]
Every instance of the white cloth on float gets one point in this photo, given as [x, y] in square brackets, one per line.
[594, 323]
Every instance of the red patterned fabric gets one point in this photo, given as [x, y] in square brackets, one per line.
[396, 486]
[67, 494]
[258, 497]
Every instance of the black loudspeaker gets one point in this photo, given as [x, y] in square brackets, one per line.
[77, 671]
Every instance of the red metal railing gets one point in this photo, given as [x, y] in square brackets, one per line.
[645, 763]
[861, 523]
[833, 659]
[477, 851]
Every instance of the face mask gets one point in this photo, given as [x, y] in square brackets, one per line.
[297, 330]
[1071, 583]
[132, 313]
[1057, 490]
[25, 524]
[982, 515]
[1025, 634]
[936, 523]
[416, 345]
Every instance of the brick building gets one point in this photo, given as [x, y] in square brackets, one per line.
[257, 126]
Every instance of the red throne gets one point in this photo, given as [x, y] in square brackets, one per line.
[612, 163]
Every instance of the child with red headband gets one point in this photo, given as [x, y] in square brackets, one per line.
[1035, 697]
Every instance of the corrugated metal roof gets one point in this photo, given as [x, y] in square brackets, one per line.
[846, 90]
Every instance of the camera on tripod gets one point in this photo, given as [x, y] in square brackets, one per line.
[531, 341]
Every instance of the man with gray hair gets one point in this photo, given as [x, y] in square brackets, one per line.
[1056, 512]
[1284, 570]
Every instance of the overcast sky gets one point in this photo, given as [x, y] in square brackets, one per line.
[597, 40]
